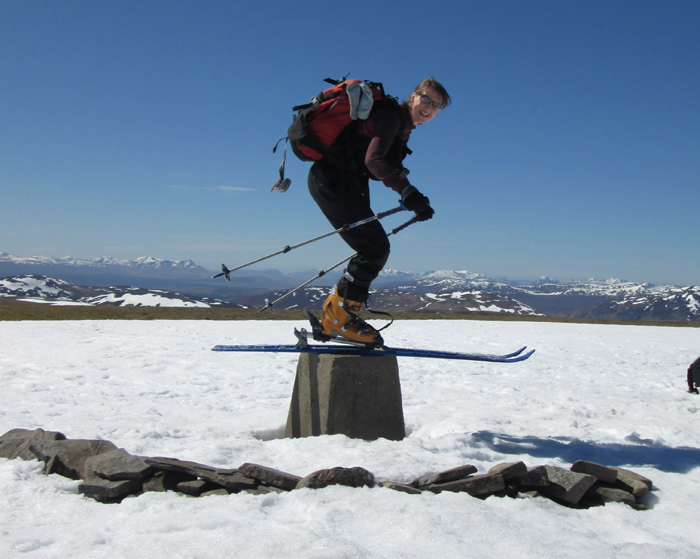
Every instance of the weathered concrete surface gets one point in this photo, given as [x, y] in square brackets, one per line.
[352, 395]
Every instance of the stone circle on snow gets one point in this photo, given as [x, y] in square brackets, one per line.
[110, 474]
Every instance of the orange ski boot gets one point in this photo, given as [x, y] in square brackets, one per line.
[340, 321]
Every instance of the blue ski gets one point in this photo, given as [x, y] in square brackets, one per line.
[397, 352]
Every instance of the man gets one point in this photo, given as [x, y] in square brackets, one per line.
[340, 186]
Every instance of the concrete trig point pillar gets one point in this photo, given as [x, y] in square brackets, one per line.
[354, 395]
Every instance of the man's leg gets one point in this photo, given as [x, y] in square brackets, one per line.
[344, 200]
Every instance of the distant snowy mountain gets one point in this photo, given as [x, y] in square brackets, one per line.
[42, 289]
[147, 262]
[653, 303]
[451, 302]
[446, 280]
[145, 272]
[38, 287]
[399, 300]
[444, 291]
[183, 276]
[594, 299]
[592, 287]
[435, 277]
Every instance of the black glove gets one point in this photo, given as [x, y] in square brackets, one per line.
[418, 203]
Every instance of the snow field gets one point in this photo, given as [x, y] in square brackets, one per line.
[612, 394]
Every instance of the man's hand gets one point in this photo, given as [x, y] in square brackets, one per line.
[418, 203]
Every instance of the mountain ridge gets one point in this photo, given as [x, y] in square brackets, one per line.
[141, 262]
[443, 291]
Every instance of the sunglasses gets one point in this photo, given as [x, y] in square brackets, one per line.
[428, 101]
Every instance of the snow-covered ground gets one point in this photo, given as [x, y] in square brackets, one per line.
[612, 394]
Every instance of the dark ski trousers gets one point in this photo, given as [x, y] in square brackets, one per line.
[341, 190]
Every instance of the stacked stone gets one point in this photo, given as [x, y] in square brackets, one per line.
[584, 485]
[110, 474]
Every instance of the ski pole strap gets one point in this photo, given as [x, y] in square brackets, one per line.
[282, 184]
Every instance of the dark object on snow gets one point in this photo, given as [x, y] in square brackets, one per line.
[694, 376]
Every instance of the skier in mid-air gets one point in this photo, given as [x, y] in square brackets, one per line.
[340, 187]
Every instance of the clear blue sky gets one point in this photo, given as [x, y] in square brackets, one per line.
[571, 149]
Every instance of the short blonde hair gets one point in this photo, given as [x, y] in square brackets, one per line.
[422, 89]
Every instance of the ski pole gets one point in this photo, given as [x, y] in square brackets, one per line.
[269, 305]
[226, 271]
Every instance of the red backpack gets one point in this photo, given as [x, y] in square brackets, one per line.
[318, 124]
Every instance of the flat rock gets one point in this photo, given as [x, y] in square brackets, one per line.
[107, 491]
[15, 443]
[197, 487]
[264, 490]
[351, 477]
[228, 478]
[400, 487]
[68, 457]
[118, 465]
[155, 483]
[234, 481]
[509, 470]
[602, 473]
[534, 477]
[452, 474]
[630, 481]
[634, 475]
[565, 485]
[485, 484]
[269, 476]
[220, 491]
[181, 466]
[614, 495]
[166, 481]
[511, 490]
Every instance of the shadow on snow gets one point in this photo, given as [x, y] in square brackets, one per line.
[640, 452]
